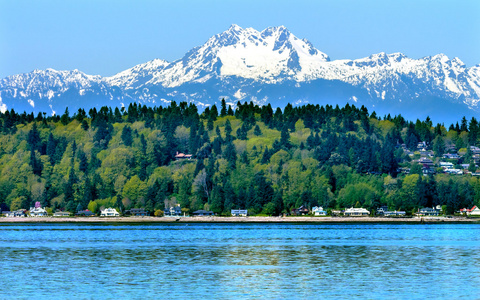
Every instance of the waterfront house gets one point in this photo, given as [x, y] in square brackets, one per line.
[336, 213]
[356, 212]
[395, 213]
[474, 211]
[201, 213]
[61, 214]
[109, 212]
[138, 212]
[38, 212]
[85, 213]
[6, 213]
[301, 211]
[381, 210]
[239, 212]
[427, 211]
[18, 213]
[173, 211]
[318, 211]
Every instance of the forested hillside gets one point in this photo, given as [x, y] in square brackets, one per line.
[252, 157]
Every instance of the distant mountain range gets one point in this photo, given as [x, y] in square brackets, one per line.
[271, 66]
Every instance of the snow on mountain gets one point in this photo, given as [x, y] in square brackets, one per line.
[132, 77]
[245, 64]
[47, 82]
[271, 55]
[43, 89]
[381, 73]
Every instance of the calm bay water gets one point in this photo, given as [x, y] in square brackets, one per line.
[247, 261]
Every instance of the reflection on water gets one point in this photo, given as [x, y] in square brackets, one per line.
[252, 261]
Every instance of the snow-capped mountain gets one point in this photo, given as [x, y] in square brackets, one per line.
[268, 66]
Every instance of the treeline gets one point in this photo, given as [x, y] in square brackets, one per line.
[251, 157]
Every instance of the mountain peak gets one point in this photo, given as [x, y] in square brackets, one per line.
[234, 29]
[280, 32]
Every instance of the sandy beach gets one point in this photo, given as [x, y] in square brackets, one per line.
[215, 219]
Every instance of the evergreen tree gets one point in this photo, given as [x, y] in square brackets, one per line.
[463, 126]
[69, 195]
[35, 163]
[83, 165]
[33, 138]
[228, 131]
[285, 138]
[210, 124]
[266, 156]
[213, 113]
[127, 136]
[223, 111]
[65, 119]
[85, 125]
[230, 111]
[230, 155]
[474, 131]
[257, 131]
[439, 146]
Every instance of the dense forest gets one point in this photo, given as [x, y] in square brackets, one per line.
[257, 158]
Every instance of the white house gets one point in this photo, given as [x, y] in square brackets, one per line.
[395, 213]
[110, 212]
[17, 213]
[38, 212]
[61, 214]
[475, 211]
[239, 212]
[318, 211]
[446, 165]
[427, 211]
[356, 212]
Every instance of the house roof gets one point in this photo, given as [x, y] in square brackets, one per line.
[183, 155]
[201, 211]
[428, 209]
[353, 209]
[85, 212]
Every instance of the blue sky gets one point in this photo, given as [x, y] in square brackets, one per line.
[107, 36]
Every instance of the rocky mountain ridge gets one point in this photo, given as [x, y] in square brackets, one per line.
[268, 66]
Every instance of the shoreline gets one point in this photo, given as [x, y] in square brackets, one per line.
[215, 219]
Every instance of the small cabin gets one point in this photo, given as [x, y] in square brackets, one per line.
[201, 213]
[137, 212]
[85, 213]
[182, 156]
[239, 212]
[61, 214]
